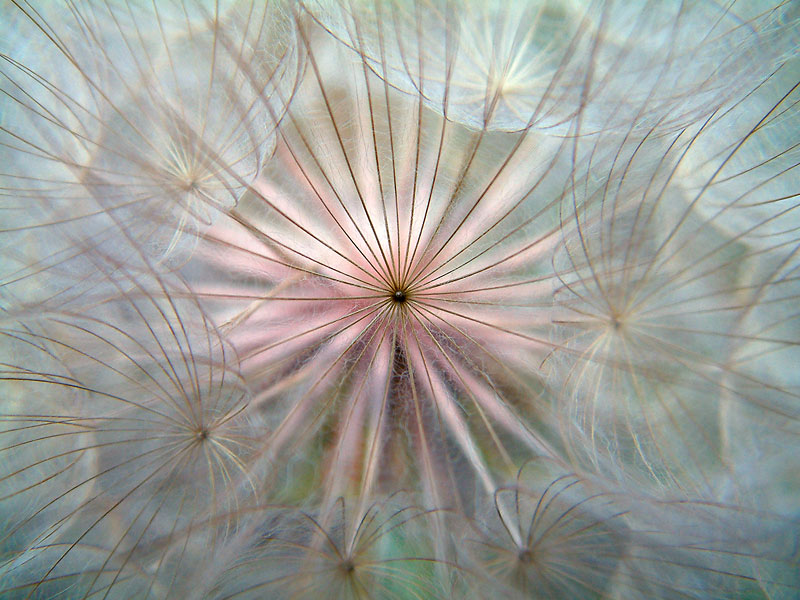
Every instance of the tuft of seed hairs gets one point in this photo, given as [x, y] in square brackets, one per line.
[399, 299]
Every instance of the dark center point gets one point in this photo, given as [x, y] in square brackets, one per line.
[524, 555]
[399, 296]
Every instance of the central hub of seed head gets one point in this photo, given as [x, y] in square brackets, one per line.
[399, 296]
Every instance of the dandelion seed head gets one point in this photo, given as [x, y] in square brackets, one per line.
[549, 537]
[398, 299]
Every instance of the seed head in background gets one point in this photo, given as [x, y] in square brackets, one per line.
[150, 118]
[399, 300]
